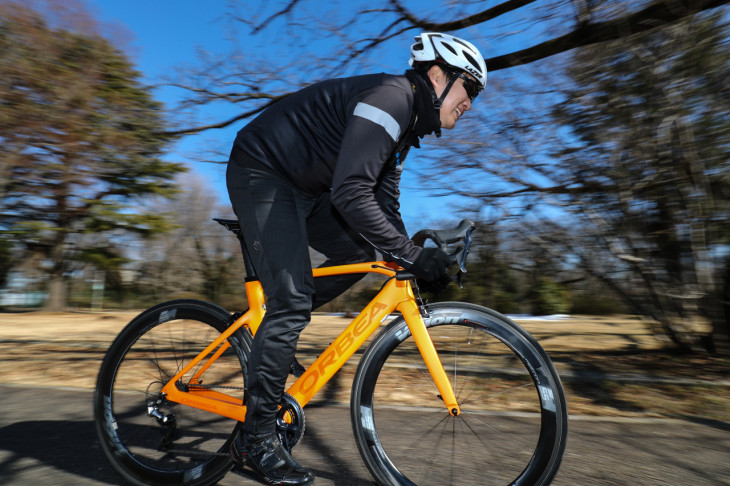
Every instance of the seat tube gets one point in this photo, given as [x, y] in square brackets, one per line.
[420, 334]
[256, 303]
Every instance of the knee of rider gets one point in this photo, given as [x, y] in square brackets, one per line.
[290, 310]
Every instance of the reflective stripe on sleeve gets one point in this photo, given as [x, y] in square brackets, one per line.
[382, 118]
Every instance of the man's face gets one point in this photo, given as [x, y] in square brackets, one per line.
[457, 102]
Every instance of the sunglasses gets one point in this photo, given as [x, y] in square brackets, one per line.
[472, 87]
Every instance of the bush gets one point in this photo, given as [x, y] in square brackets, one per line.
[596, 305]
[505, 302]
[547, 297]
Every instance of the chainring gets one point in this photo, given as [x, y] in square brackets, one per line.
[290, 421]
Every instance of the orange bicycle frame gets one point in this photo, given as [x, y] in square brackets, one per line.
[395, 295]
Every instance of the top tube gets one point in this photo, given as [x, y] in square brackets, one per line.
[384, 268]
[442, 238]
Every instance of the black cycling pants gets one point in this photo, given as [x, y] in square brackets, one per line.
[279, 224]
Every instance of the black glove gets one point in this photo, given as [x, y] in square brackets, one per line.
[432, 264]
[434, 287]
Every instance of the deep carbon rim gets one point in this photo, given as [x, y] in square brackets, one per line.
[199, 467]
[381, 451]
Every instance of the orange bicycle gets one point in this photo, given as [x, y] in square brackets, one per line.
[476, 394]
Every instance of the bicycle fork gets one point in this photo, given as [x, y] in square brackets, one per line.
[417, 326]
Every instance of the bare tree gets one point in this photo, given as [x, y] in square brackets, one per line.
[253, 81]
[649, 171]
[198, 257]
[510, 162]
[632, 162]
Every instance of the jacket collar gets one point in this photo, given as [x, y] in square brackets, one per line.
[427, 119]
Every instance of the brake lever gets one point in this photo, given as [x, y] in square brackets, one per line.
[461, 253]
[456, 259]
[442, 238]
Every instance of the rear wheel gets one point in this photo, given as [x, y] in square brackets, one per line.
[152, 441]
[513, 422]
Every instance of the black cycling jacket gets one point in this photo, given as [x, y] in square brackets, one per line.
[350, 136]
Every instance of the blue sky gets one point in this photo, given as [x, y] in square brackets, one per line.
[166, 34]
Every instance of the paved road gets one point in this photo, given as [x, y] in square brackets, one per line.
[47, 438]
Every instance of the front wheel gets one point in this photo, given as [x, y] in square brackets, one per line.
[513, 423]
[148, 439]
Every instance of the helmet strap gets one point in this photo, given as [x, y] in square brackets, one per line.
[438, 101]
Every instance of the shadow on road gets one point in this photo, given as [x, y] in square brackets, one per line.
[69, 446]
[73, 447]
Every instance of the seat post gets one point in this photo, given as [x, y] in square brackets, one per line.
[234, 227]
[248, 265]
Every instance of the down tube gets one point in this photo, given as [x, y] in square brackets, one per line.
[342, 348]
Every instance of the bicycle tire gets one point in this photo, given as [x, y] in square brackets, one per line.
[191, 448]
[513, 424]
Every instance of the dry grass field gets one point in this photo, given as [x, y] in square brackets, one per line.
[610, 365]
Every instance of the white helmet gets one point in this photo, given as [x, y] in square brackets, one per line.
[457, 53]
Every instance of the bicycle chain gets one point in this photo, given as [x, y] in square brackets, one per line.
[210, 387]
[192, 452]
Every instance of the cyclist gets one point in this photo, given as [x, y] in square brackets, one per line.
[321, 168]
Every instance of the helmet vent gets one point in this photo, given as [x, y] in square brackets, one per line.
[459, 41]
[457, 54]
[472, 61]
[451, 49]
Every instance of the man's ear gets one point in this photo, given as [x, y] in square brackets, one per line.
[436, 75]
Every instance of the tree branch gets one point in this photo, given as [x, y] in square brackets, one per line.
[489, 14]
[658, 14]
[223, 124]
[273, 17]
[415, 22]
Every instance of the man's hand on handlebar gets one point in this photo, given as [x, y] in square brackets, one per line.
[432, 264]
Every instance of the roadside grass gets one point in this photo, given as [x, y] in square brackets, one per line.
[610, 365]
[651, 383]
[646, 400]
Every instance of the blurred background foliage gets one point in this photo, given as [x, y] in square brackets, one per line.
[81, 145]
[596, 165]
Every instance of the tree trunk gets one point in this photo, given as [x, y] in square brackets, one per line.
[721, 318]
[57, 294]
